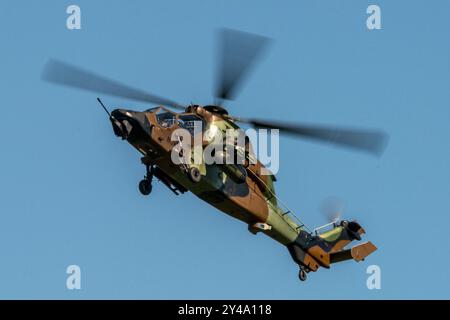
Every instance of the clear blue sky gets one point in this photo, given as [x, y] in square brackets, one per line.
[68, 187]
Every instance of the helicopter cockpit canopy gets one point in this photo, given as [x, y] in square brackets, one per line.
[166, 119]
[189, 121]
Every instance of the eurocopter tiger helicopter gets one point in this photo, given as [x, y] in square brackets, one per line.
[239, 190]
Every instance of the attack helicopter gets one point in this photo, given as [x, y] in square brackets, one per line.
[237, 189]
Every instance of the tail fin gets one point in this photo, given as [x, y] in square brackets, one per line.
[342, 235]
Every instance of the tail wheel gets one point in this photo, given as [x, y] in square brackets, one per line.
[302, 275]
[194, 174]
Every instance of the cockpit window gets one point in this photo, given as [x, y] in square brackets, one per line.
[189, 121]
[165, 119]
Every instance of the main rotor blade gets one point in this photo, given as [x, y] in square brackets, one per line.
[62, 73]
[371, 141]
[238, 52]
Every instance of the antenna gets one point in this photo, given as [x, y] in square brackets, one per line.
[104, 108]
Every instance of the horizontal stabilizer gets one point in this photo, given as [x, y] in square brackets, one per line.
[357, 253]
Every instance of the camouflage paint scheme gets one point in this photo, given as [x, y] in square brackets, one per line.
[252, 201]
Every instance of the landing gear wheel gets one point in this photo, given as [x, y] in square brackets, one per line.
[194, 175]
[145, 187]
[302, 275]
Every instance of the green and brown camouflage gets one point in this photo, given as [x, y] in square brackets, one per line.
[239, 190]
[243, 190]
